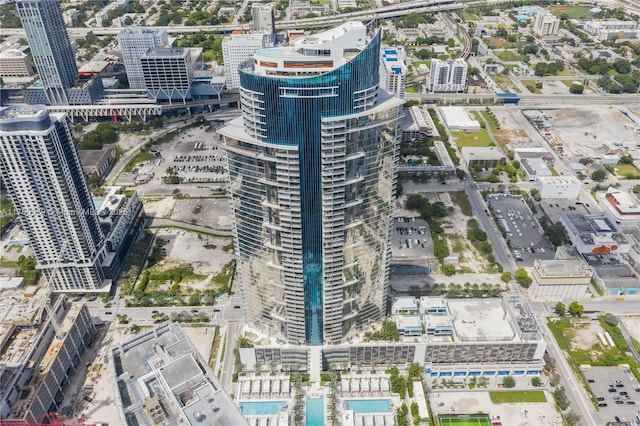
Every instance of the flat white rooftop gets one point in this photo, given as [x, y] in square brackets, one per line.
[480, 320]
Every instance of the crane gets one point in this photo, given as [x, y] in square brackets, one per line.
[45, 302]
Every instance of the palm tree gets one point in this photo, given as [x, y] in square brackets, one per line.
[389, 365]
[241, 369]
[345, 366]
[359, 367]
[257, 366]
[373, 365]
[272, 367]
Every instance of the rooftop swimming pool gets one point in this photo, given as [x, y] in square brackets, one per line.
[269, 52]
[369, 405]
[315, 411]
[256, 408]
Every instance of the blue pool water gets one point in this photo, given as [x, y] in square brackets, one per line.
[261, 407]
[315, 411]
[96, 203]
[269, 52]
[369, 405]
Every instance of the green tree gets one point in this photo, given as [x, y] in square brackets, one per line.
[576, 89]
[560, 397]
[599, 175]
[572, 418]
[626, 159]
[610, 319]
[536, 381]
[505, 276]
[449, 270]
[560, 309]
[586, 160]
[522, 277]
[575, 309]
[509, 382]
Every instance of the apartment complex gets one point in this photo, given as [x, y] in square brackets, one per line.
[612, 29]
[50, 46]
[462, 339]
[312, 181]
[393, 70]
[448, 76]
[135, 42]
[42, 171]
[237, 48]
[546, 25]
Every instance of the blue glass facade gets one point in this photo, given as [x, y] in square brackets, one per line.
[311, 161]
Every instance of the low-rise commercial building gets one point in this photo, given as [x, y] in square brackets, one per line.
[535, 168]
[483, 156]
[97, 161]
[161, 379]
[559, 187]
[457, 118]
[594, 234]
[622, 207]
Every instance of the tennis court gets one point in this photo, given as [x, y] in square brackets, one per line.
[464, 420]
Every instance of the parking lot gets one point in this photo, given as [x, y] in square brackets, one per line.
[411, 239]
[195, 156]
[616, 390]
[517, 224]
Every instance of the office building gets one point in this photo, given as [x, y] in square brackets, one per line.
[448, 76]
[168, 73]
[262, 18]
[14, 63]
[312, 182]
[393, 70]
[237, 48]
[41, 169]
[161, 379]
[546, 25]
[50, 47]
[135, 42]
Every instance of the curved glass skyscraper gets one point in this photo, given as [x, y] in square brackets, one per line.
[312, 180]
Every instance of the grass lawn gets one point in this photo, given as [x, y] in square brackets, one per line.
[531, 85]
[476, 138]
[467, 16]
[492, 124]
[510, 397]
[139, 158]
[509, 56]
[505, 83]
[574, 12]
[626, 169]
[565, 71]
[464, 420]
[409, 89]
[461, 200]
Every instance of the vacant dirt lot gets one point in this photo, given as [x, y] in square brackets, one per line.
[594, 131]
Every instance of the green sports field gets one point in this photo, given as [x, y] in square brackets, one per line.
[464, 420]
